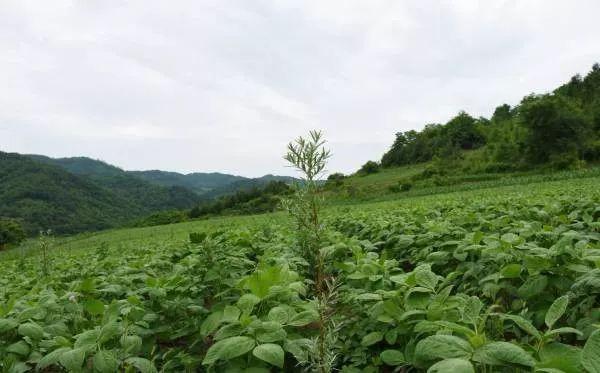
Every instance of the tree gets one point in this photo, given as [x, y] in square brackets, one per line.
[555, 127]
[502, 113]
[462, 132]
[11, 233]
[370, 167]
[335, 179]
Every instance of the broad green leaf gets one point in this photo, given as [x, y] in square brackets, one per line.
[443, 347]
[391, 336]
[425, 277]
[228, 349]
[230, 314]
[72, 360]
[503, 353]
[281, 314]
[141, 364]
[131, 343]
[560, 356]
[471, 310]
[452, 366]
[230, 330]
[94, 307]
[109, 331]
[105, 362]
[564, 330]
[298, 347]
[590, 356]
[392, 357]
[524, 324]
[31, 330]
[511, 271]
[18, 367]
[457, 328]
[510, 238]
[270, 331]
[211, 323]
[371, 339]
[304, 318]
[533, 286]
[7, 324]
[51, 358]
[271, 353]
[247, 302]
[556, 310]
[87, 340]
[20, 348]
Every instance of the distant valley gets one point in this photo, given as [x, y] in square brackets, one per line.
[75, 194]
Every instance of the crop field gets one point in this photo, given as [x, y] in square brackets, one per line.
[501, 279]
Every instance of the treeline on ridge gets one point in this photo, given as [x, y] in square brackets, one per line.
[258, 199]
[559, 129]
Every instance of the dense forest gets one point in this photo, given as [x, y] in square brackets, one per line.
[255, 199]
[77, 194]
[199, 182]
[559, 129]
[45, 196]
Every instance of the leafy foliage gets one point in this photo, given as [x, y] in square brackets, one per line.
[11, 232]
[557, 129]
[501, 280]
[45, 197]
[256, 200]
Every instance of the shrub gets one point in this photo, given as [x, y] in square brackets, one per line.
[564, 161]
[498, 167]
[368, 168]
[162, 218]
[335, 179]
[11, 232]
[197, 237]
[592, 152]
[401, 186]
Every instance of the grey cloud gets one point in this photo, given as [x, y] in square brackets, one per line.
[222, 85]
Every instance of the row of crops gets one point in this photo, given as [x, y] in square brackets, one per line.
[505, 282]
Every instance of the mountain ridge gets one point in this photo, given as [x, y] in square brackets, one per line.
[45, 195]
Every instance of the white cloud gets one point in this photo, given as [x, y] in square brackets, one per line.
[223, 85]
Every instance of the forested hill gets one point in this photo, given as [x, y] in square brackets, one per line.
[70, 195]
[199, 182]
[559, 129]
[46, 196]
[81, 165]
[207, 184]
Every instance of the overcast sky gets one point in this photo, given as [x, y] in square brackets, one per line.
[224, 85]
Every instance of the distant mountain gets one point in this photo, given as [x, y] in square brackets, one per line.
[199, 182]
[80, 165]
[76, 194]
[206, 184]
[246, 184]
[72, 195]
[48, 197]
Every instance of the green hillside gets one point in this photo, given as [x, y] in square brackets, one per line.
[91, 197]
[199, 182]
[505, 277]
[247, 184]
[48, 197]
[125, 184]
[80, 165]
[556, 130]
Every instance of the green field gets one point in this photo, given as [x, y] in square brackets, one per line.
[489, 278]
